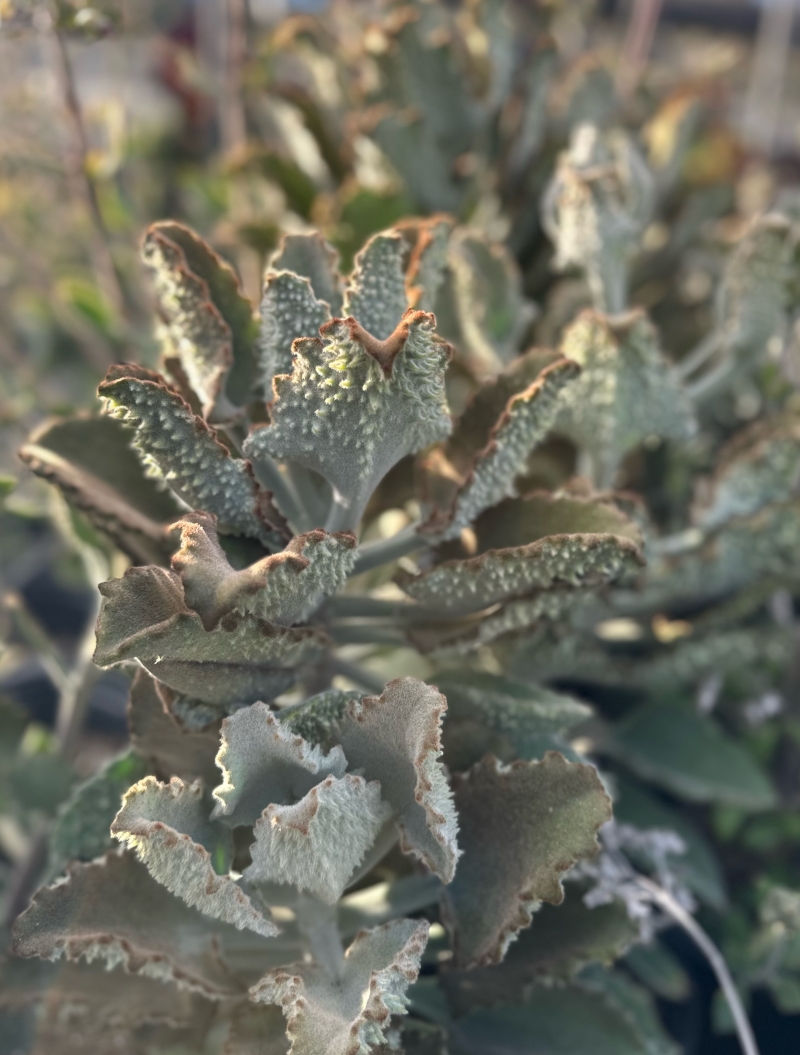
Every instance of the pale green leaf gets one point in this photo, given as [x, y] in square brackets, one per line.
[284, 588]
[348, 1014]
[376, 292]
[311, 257]
[289, 309]
[265, 763]
[168, 827]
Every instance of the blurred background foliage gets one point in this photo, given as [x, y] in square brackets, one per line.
[247, 120]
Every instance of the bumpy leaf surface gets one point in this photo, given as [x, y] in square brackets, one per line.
[626, 391]
[577, 561]
[168, 827]
[376, 293]
[395, 738]
[522, 713]
[263, 763]
[82, 829]
[289, 309]
[355, 405]
[112, 910]
[194, 330]
[284, 588]
[311, 257]
[144, 617]
[522, 827]
[428, 240]
[524, 422]
[316, 844]
[186, 453]
[348, 1015]
[758, 467]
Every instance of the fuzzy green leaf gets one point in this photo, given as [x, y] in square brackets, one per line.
[669, 743]
[574, 561]
[626, 391]
[82, 830]
[289, 309]
[522, 827]
[492, 311]
[395, 738]
[317, 843]
[169, 748]
[564, 1020]
[263, 763]
[112, 910]
[318, 718]
[284, 588]
[185, 452]
[144, 617]
[168, 827]
[90, 461]
[428, 241]
[348, 1015]
[311, 257]
[756, 468]
[207, 322]
[376, 293]
[522, 713]
[523, 423]
[355, 405]
[560, 941]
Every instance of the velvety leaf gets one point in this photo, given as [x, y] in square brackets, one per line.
[626, 390]
[348, 1015]
[670, 743]
[493, 312]
[317, 719]
[526, 419]
[756, 468]
[186, 453]
[284, 588]
[311, 257]
[522, 713]
[355, 405]
[168, 827]
[144, 617]
[561, 940]
[395, 738]
[635, 1003]
[756, 290]
[289, 309]
[256, 1030]
[428, 240]
[596, 206]
[577, 561]
[264, 763]
[562, 1020]
[91, 462]
[207, 322]
[111, 910]
[376, 292]
[660, 970]
[522, 827]
[82, 829]
[169, 748]
[317, 843]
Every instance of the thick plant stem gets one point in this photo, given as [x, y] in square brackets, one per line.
[317, 924]
[357, 675]
[668, 904]
[699, 355]
[286, 498]
[374, 554]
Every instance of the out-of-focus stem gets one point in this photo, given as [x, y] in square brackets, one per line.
[81, 185]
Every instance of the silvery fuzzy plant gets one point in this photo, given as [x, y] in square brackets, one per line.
[263, 797]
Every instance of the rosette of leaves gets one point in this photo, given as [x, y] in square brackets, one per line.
[244, 520]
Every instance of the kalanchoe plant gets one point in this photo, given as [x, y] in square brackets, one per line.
[261, 454]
